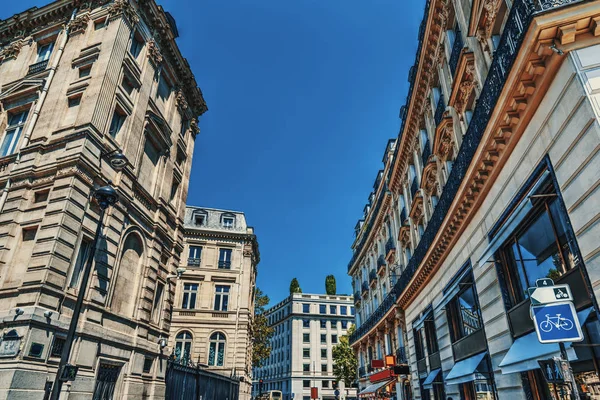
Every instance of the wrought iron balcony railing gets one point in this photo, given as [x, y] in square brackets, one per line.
[439, 110]
[519, 19]
[369, 226]
[225, 264]
[456, 51]
[426, 152]
[193, 262]
[37, 67]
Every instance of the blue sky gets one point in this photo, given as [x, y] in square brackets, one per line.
[303, 96]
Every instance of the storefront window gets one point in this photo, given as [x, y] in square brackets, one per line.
[539, 249]
[463, 311]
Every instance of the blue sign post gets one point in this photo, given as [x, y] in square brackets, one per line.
[557, 322]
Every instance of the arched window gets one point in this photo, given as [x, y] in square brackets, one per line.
[216, 352]
[183, 345]
[126, 280]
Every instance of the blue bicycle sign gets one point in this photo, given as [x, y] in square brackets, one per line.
[557, 322]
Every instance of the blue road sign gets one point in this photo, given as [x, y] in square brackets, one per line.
[557, 322]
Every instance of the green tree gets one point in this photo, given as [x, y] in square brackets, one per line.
[295, 286]
[345, 363]
[330, 287]
[260, 330]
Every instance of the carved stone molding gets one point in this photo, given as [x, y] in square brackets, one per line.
[124, 8]
[12, 50]
[194, 126]
[429, 183]
[443, 146]
[180, 100]
[79, 24]
[154, 53]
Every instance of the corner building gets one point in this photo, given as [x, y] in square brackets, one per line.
[214, 298]
[307, 328]
[490, 185]
[79, 80]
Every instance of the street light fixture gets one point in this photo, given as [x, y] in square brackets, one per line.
[105, 196]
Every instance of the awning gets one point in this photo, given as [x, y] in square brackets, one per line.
[525, 352]
[371, 390]
[511, 223]
[466, 370]
[428, 384]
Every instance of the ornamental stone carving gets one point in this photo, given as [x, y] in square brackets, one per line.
[194, 126]
[180, 100]
[488, 15]
[154, 53]
[12, 50]
[79, 24]
[444, 148]
[124, 8]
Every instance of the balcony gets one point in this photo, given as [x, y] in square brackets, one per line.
[372, 277]
[225, 264]
[414, 187]
[193, 262]
[426, 152]
[37, 67]
[365, 288]
[357, 298]
[439, 110]
[390, 248]
[401, 356]
[456, 51]
[381, 263]
[517, 24]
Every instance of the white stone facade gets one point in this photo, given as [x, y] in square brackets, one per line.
[307, 327]
[214, 298]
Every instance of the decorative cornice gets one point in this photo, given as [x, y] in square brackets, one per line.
[123, 8]
[79, 24]
[153, 53]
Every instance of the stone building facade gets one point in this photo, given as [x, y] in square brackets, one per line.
[307, 327]
[78, 81]
[490, 185]
[213, 303]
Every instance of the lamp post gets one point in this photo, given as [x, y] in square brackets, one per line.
[106, 196]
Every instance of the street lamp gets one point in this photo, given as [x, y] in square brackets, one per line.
[105, 196]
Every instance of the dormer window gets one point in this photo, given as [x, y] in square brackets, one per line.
[228, 221]
[199, 219]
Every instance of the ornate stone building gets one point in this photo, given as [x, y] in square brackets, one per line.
[78, 81]
[213, 303]
[491, 184]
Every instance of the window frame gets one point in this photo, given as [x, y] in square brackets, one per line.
[220, 344]
[222, 298]
[17, 130]
[225, 257]
[189, 295]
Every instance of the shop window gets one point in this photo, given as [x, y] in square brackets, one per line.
[418, 339]
[430, 334]
[463, 310]
[538, 248]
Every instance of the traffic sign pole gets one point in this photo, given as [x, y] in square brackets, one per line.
[563, 355]
[555, 320]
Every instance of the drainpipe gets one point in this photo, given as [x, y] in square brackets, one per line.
[39, 103]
